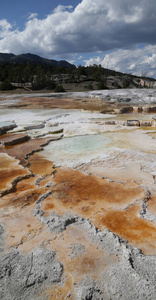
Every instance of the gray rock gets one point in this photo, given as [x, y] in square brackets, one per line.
[15, 139]
[88, 290]
[110, 123]
[6, 126]
[146, 123]
[124, 282]
[124, 100]
[58, 223]
[1, 237]
[25, 276]
[31, 127]
[133, 123]
[126, 109]
[131, 276]
[77, 250]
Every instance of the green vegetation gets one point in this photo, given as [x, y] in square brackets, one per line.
[37, 73]
[101, 85]
[6, 85]
[89, 86]
[26, 72]
[59, 89]
[126, 84]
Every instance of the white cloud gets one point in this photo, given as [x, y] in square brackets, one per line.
[32, 16]
[61, 8]
[4, 25]
[71, 61]
[133, 61]
[93, 60]
[5, 28]
[93, 26]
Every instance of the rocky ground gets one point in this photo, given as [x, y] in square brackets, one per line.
[78, 196]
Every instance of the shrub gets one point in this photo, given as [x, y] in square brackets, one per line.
[50, 85]
[101, 85]
[6, 85]
[126, 84]
[118, 86]
[89, 86]
[59, 89]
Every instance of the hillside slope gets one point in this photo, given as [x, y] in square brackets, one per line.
[32, 58]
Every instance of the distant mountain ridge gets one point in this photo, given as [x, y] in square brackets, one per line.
[33, 58]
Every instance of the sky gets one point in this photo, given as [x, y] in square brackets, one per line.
[118, 34]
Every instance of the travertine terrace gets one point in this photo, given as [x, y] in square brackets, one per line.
[78, 196]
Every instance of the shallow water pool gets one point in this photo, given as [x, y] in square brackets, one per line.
[73, 151]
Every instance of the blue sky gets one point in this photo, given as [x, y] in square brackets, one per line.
[118, 34]
[17, 11]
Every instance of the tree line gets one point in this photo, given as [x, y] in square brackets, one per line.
[42, 75]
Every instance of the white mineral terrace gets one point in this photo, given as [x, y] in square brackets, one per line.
[78, 198]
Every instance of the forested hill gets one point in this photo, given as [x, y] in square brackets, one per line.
[33, 59]
[36, 73]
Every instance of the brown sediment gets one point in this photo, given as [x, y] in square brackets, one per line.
[27, 190]
[92, 104]
[88, 192]
[10, 171]
[106, 204]
[13, 139]
[7, 162]
[17, 212]
[7, 177]
[39, 165]
[152, 204]
[22, 229]
[26, 185]
[20, 199]
[127, 224]
[18, 204]
[20, 151]
[90, 200]
[90, 262]
[66, 103]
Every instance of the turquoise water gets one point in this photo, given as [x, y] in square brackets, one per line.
[81, 144]
[6, 123]
[75, 150]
